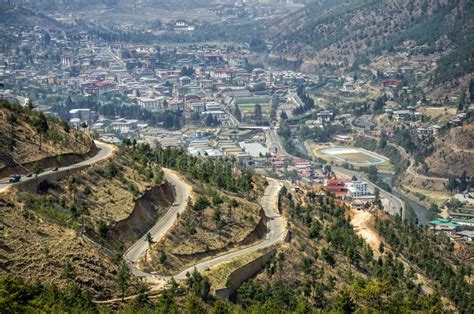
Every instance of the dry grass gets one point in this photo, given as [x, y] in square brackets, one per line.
[57, 142]
[199, 236]
[431, 197]
[106, 198]
[34, 248]
[36, 244]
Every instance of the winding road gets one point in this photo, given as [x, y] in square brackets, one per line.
[276, 225]
[104, 151]
[182, 192]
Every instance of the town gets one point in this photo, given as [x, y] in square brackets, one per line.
[254, 153]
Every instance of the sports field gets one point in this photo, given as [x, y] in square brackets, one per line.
[247, 106]
[354, 156]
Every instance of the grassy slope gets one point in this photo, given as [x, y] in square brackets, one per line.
[199, 236]
[40, 232]
[56, 142]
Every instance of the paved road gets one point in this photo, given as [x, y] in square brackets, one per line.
[276, 226]
[395, 204]
[104, 152]
[159, 230]
[273, 142]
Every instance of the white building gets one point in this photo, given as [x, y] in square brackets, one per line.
[357, 188]
[84, 115]
[213, 106]
[124, 125]
[150, 103]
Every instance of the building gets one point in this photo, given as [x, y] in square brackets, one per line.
[466, 235]
[213, 106]
[357, 188]
[84, 115]
[184, 80]
[463, 218]
[336, 186]
[402, 115]
[198, 107]
[324, 116]
[224, 74]
[99, 87]
[150, 103]
[124, 125]
[444, 225]
[348, 87]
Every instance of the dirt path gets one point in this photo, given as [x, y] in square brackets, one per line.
[363, 221]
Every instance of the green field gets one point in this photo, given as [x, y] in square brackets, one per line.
[247, 106]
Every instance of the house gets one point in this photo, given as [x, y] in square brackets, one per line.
[402, 115]
[324, 116]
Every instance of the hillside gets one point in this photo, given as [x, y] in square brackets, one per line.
[329, 262]
[339, 33]
[56, 235]
[454, 153]
[210, 225]
[29, 138]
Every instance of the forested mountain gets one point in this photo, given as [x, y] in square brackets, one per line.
[343, 31]
[62, 4]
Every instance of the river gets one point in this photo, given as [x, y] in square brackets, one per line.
[419, 209]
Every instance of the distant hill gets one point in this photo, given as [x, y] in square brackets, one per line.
[341, 32]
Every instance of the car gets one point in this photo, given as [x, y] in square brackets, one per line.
[29, 175]
[55, 169]
[15, 178]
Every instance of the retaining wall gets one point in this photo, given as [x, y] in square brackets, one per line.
[31, 184]
[238, 276]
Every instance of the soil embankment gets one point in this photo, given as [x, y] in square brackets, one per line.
[49, 162]
[148, 209]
